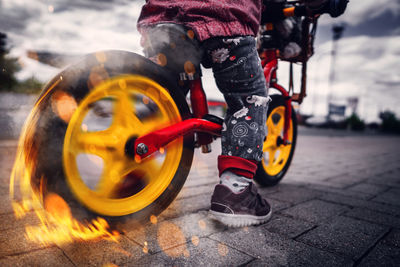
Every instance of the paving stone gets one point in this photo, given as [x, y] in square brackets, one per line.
[184, 206]
[267, 190]
[49, 257]
[345, 180]
[325, 184]
[303, 179]
[193, 181]
[374, 217]
[315, 210]
[277, 205]
[366, 188]
[103, 252]
[293, 194]
[391, 197]
[192, 254]
[320, 187]
[354, 202]
[192, 191]
[5, 202]
[382, 255]
[287, 226]
[171, 233]
[13, 241]
[273, 250]
[9, 221]
[344, 235]
[7, 157]
[271, 262]
[392, 181]
[392, 239]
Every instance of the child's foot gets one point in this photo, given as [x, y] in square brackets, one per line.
[239, 209]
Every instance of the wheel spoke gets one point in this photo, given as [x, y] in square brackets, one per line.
[271, 158]
[276, 128]
[116, 170]
[113, 175]
[157, 123]
[270, 143]
[97, 143]
[151, 167]
[124, 113]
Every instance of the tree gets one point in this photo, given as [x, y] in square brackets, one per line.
[390, 123]
[355, 123]
[8, 66]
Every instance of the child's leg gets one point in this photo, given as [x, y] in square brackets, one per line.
[239, 76]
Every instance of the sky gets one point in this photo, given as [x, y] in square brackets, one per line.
[367, 63]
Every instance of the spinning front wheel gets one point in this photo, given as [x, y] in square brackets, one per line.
[83, 129]
[97, 169]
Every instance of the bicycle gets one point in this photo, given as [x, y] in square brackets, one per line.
[114, 136]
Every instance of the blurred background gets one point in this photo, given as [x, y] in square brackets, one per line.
[363, 84]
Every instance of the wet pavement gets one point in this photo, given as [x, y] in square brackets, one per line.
[339, 205]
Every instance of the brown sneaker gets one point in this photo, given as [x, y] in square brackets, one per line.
[239, 209]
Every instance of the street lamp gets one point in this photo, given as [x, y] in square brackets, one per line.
[337, 31]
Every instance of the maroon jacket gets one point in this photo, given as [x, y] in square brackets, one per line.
[207, 18]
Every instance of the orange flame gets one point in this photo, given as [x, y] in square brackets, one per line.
[57, 225]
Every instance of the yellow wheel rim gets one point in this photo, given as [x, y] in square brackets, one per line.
[116, 185]
[276, 155]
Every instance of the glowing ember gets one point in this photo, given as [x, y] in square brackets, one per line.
[57, 223]
[195, 240]
[169, 236]
[84, 127]
[202, 224]
[153, 219]
[64, 105]
[222, 249]
[146, 100]
[145, 248]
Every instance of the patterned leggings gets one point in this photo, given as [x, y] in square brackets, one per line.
[238, 75]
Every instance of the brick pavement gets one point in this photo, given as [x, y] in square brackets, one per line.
[339, 205]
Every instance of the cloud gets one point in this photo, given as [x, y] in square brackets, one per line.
[366, 67]
[74, 30]
[360, 11]
[15, 15]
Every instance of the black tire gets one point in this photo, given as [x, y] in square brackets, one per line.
[47, 130]
[263, 176]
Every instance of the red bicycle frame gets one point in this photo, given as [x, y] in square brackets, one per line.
[269, 63]
[152, 142]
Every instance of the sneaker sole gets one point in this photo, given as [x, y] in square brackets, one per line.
[239, 220]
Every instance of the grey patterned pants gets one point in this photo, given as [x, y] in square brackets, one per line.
[238, 75]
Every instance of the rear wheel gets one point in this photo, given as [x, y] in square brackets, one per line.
[85, 120]
[277, 156]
